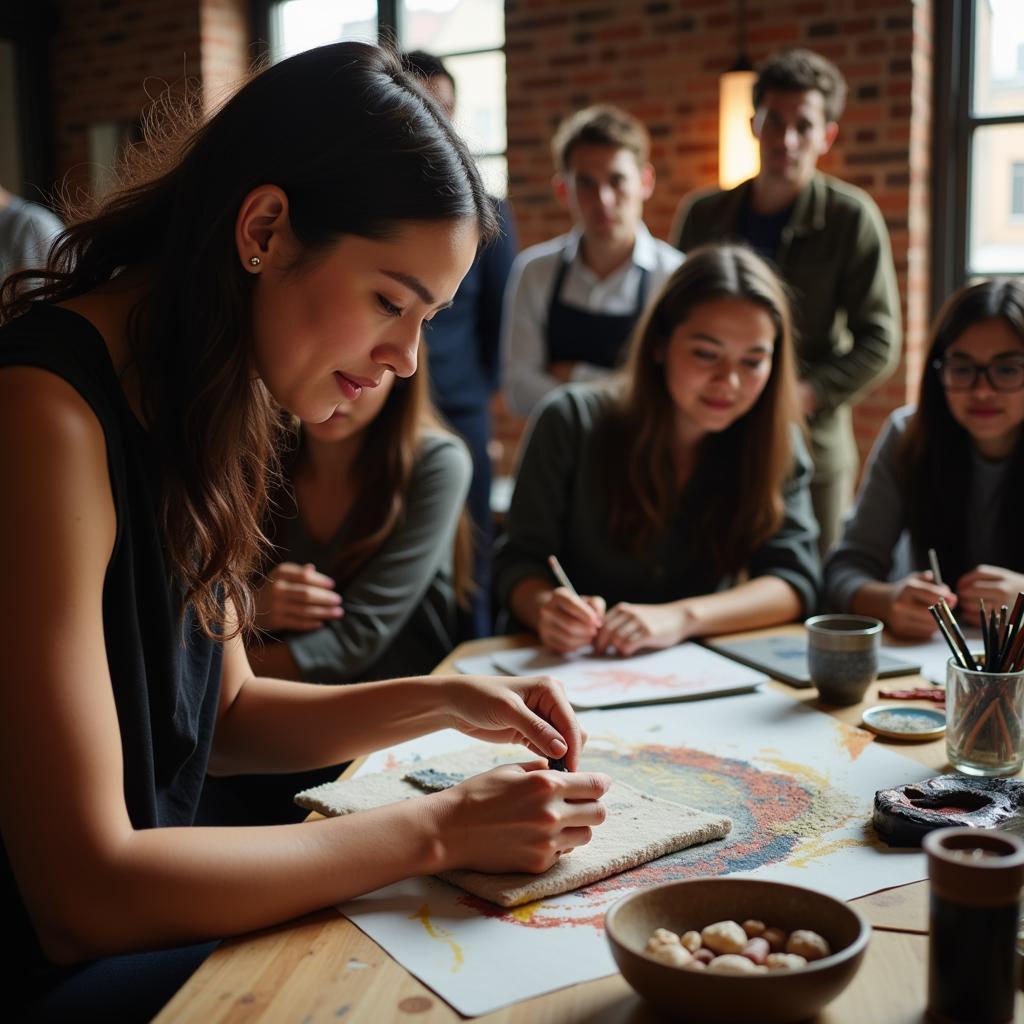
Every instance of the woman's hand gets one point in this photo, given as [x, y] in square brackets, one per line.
[629, 628]
[909, 600]
[532, 710]
[567, 622]
[296, 597]
[517, 817]
[995, 585]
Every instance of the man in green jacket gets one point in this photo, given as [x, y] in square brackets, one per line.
[829, 243]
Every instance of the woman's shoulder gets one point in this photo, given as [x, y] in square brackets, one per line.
[443, 453]
[579, 406]
[66, 345]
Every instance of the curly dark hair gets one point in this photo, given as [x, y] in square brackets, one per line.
[800, 71]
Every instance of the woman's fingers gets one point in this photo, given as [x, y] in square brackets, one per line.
[291, 572]
[566, 604]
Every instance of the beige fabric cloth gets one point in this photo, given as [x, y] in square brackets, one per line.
[639, 827]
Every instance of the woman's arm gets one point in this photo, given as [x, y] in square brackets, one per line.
[92, 883]
[537, 523]
[380, 599]
[857, 571]
[785, 576]
[765, 601]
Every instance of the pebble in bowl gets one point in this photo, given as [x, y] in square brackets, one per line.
[706, 997]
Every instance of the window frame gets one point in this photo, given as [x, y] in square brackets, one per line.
[389, 25]
[953, 138]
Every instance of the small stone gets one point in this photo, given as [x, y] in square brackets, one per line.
[776, 939]
[672, 954]
[705, 956]
[784, 962]
[691, 941]
[809, 945]
[756, 950]
[732, 963]
[724, 937]
[753, 928]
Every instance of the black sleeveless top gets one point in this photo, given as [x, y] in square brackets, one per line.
[165, 673]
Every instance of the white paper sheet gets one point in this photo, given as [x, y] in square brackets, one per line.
[798, 784]
[932, 655]
[684, 672]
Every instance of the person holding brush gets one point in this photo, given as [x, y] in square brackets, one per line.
[946, 475]
[675, 495]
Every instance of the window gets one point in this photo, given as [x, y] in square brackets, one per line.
[468, 35]
[1017, 191]
[979, 150]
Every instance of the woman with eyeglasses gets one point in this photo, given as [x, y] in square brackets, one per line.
[948, 475]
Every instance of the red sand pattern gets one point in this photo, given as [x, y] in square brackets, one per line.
[625, 679]
[768, 800]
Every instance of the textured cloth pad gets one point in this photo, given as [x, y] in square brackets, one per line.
[639, 827]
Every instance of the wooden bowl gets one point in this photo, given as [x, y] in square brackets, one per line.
[700, 997]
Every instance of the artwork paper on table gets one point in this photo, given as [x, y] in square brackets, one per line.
[932, 655]
[684, 672]
[479, 665]
[640, 826]
[798, 785]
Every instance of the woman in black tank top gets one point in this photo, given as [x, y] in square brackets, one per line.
[285, 253]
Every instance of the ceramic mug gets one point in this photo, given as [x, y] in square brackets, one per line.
[842, 656]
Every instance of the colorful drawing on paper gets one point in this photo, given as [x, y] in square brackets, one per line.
[774, 812]
[677, 673]
[797, 784]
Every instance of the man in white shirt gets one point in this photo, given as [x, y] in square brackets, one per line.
[571, 303]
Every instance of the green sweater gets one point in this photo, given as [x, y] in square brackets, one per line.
[836, 259]
[560, 507]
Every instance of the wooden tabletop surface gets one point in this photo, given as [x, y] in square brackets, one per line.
[321, 968]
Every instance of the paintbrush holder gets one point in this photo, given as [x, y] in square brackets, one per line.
[984, 721]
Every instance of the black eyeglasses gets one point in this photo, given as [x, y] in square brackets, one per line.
[1004, 373]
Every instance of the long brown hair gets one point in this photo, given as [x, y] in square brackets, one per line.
[936, 450]
[358, 149]
[740, 471]
[384, 467]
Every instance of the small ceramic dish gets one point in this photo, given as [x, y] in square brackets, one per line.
[701, 997]
[899, 722]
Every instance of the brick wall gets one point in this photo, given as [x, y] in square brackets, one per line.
[660, 59]
[110, 57]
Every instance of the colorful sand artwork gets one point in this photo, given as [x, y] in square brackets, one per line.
[797, 784]
[683, 672]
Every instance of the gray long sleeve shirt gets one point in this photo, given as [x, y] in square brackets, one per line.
[400, 605]
[876, 542]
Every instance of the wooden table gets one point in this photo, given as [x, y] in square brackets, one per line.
[321, 968]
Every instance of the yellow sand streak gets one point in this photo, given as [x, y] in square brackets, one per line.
[441, 934]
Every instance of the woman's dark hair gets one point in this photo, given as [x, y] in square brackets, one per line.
[383, 468]
[936, 451]
[358, 149]
[740, 471]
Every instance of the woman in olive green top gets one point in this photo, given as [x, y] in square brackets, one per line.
[676, 498]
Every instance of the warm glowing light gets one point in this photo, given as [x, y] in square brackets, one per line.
[738, 157]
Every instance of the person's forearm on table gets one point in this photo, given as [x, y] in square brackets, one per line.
[873, 598]
[178, 885]
[764, 601]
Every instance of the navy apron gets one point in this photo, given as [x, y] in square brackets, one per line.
[579, 336]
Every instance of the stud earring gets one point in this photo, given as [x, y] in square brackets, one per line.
[254, 261]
